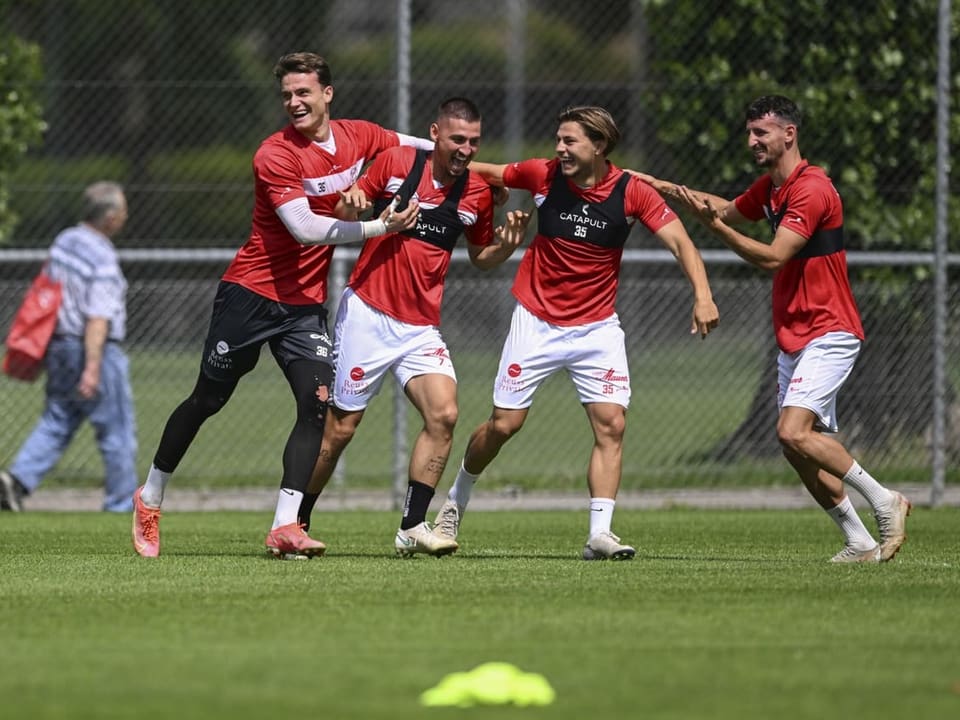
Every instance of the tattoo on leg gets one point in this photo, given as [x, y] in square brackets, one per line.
[436, 465]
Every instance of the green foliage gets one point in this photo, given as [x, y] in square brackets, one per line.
[721, 616]
[48, 192]
[208, 194]
[864, 76]
[21, 122]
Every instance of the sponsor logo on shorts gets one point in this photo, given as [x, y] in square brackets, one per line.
[222, 347]
[356, 374]
[509, 384]
[514, 370]
[611, 376]
[348, 387]
[439, 353]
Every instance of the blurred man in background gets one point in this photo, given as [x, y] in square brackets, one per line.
[88, 374]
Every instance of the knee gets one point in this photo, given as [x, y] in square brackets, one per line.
[312, 406]
[339, 431]
[207, 403]
[501, 429]
[442, 420]
[791, 438]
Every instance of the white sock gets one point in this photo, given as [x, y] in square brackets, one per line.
[462, 486]
[152, 493]
[854, 531]
[288, 507]
[861, 481]
[601, 515]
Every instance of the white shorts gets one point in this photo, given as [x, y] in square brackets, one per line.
[369, 343]
[812, 377]
[594, 355]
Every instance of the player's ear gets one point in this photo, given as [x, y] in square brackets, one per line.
[434, 132]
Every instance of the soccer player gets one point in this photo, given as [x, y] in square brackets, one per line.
[274, 289]
[815, 318]
[564, 319]
[389, 316]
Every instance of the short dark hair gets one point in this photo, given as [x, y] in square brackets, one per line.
[783, 107]
[459, 107]
[596, 122]
[303, 62]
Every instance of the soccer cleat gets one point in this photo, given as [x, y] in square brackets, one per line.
[146, 527]
[854, 555]
[11, 492]
[447, 524]
[607, 546]
[892, 523]
[422, 539]
[291, 542]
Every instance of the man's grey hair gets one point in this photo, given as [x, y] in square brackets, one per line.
[100, 198]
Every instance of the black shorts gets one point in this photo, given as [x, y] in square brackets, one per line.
[242, 321]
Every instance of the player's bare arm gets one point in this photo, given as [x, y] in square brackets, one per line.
[509, 237]
[772, 257]
[704, 316]
[490, 172]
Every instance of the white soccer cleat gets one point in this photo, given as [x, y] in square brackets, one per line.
[447, 524]
[855, 555]
[892, 523]
[607, 546]
[420, 539]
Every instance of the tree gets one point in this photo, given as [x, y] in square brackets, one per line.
[864, 76]
[21, 123]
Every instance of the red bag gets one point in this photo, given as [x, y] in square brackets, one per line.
[32, 328]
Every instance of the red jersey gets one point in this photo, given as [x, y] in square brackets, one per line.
[402, 274]
[288, 166]
[569, 274]
[811, 293]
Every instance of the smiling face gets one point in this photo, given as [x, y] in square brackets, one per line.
[578, 154]
[768, 138]
[456, 142]
[307, 104]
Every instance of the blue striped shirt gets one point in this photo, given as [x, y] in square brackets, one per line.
[86, 264]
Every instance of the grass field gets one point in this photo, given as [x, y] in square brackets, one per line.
[722, 615]
[673, 420]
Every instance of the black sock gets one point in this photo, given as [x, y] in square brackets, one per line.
[306, 507]
[415, 505]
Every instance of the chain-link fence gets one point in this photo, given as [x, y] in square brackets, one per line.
[172, 97]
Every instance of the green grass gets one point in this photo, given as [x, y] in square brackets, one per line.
[674, 418]
[722, 615]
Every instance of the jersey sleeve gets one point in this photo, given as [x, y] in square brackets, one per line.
[530, 175]
[481, 231]
[646, 205]
[376, 137]
[279, 174]
[750, 203]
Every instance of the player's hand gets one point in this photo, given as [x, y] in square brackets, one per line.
[514, 230]
[705, 318]
[667, 189]
[403, 220]
[353, 201]
[699, 205]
